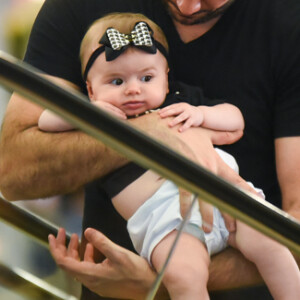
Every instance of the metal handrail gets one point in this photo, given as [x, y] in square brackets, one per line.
[27, 222]
[149, 153]
[29, 286]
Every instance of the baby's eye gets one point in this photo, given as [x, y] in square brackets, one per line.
[117, 81]
[146, 78]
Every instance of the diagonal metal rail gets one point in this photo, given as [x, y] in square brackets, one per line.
[263, 216]
[29, 286]
[27, 222]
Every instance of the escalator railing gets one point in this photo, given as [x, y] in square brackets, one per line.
[27, 222]
[149, 153]
[19, 280]
[29, 286]
[72, 105]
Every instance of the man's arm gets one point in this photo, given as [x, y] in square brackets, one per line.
[36, 164]
[229, 269]
[288, 173]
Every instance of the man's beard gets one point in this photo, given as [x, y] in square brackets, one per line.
[199, 17]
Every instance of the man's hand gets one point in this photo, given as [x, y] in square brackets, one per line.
[197, 145]
[185, 199]
[122, 274]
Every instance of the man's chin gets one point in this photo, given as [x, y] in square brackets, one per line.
[192, 21]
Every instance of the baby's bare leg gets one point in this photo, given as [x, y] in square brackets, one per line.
[187, 273]
[274, 261]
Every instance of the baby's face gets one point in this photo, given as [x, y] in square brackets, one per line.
[136, 81]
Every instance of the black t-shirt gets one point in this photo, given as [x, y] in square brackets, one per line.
[250, 58]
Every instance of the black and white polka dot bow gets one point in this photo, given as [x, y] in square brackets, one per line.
[116, 42]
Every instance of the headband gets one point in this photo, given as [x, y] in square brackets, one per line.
[114, 43]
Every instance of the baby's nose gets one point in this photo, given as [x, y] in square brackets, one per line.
[133, 87]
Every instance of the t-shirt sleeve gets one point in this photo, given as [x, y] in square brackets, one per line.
[55, 39]
[286, 64]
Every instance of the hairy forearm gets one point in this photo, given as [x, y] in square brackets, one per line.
[158, 129]
[229, 269]
[36, 164]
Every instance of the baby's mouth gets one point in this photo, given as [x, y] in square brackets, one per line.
[133, 104]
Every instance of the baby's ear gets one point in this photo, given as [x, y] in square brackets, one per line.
[89, 90]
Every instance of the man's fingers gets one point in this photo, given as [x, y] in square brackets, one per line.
[103, 244]
[72, 250]
[230, 222]
[89, 253]
[79, 268]
[232, 177]
[185, 198]
[57, 245]
[61, 236]
[206, 211]
[57, 248]
[52, 242]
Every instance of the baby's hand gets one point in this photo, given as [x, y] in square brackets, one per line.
[189, 115]
[110, 109]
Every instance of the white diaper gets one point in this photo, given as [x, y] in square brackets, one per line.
[156, 218]
[160, 215]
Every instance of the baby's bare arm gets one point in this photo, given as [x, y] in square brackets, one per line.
[223, 117]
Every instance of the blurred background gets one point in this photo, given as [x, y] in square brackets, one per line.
[5, 5]
[17, 249]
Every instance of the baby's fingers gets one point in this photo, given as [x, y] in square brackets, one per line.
[171, 110]
[187, 124]
[179, 119]
[109, 108]
[116, 112]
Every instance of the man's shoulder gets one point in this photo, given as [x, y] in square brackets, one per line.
[277, 9]
[116, 5]
[100, 7]
[268, 18]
